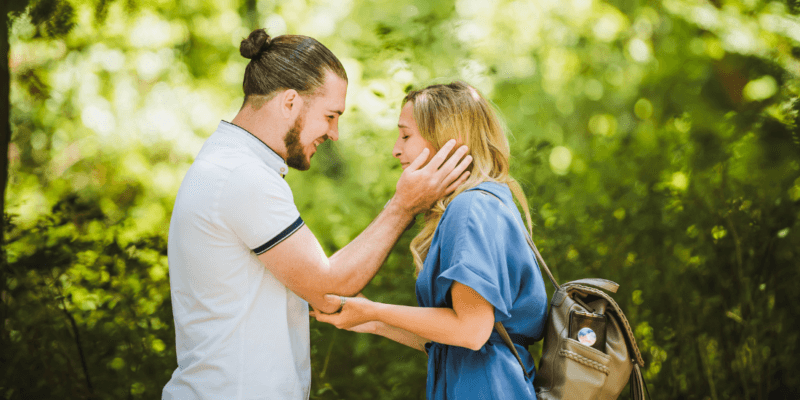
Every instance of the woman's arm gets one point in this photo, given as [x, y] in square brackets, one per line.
[468, 324]
[401, 336]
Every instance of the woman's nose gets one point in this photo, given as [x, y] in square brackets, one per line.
[396, 150]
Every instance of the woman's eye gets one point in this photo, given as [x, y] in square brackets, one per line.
[405, 137]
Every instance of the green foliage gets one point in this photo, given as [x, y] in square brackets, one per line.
[658, 144]
[90, 313]
[52, 17]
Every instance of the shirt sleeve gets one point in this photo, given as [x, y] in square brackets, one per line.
[473, 251]
[257, 204]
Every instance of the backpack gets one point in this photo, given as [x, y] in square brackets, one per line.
[589, 350]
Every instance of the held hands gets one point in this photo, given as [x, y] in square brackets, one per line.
[353, 316]
[418, 188]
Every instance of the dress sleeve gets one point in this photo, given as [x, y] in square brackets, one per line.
[259, 207]
[473, 251]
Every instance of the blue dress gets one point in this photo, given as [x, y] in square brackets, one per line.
[479, 244]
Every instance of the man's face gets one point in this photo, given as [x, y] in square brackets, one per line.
[318, 121]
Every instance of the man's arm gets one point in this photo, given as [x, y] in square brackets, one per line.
[300, 263]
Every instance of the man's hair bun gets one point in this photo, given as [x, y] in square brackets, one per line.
[255, 44]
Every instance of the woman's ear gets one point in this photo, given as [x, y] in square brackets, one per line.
[454, 133]
[459, 142]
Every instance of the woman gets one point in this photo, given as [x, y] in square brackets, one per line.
[474, 266]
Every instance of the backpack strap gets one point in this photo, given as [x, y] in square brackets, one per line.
[604, 284]
[506, 338]
[638, 385]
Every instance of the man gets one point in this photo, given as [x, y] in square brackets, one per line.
[243, 266]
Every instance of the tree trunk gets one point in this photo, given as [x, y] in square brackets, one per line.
[5, 138]
[5, 105]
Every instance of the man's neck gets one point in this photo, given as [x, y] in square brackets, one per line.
[260, 125]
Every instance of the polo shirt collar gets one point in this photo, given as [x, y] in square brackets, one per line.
[261, 150]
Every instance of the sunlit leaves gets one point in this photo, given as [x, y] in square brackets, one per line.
[603, 124]
[657, 145]
[643, 108]
[761, 88]
[560, 159]
[718, 232]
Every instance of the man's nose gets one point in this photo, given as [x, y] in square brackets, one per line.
[334, 133]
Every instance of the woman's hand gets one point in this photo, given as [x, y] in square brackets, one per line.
[354, 313]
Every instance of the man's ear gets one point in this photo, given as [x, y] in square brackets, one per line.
[290, 103]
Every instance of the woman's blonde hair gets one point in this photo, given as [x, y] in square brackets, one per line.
[458, 111]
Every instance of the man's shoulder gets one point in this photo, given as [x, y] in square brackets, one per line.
[224, 153]
[250, 181]
[255, 172]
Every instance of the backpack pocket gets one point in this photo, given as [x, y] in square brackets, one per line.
[585, 369]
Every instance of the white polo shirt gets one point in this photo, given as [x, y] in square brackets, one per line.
[240, 333]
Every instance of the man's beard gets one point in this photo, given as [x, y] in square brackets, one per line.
[295, 157]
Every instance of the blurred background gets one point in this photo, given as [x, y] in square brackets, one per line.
[657, 142]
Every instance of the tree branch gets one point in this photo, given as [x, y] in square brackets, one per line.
[78, 343]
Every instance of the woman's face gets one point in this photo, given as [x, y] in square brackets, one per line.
[409, 143]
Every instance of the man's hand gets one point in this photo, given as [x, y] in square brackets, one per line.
[355, 312]
[301, 265]
[418, 188]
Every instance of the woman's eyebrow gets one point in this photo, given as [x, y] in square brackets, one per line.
[402, 126]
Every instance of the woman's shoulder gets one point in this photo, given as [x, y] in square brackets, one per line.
[483, 195]
[477, 203]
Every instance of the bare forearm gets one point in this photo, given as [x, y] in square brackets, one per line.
[440, 325]
[468, 324]
[401, 336]
[352, 267]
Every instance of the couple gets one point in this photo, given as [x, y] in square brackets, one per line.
[244, 267]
